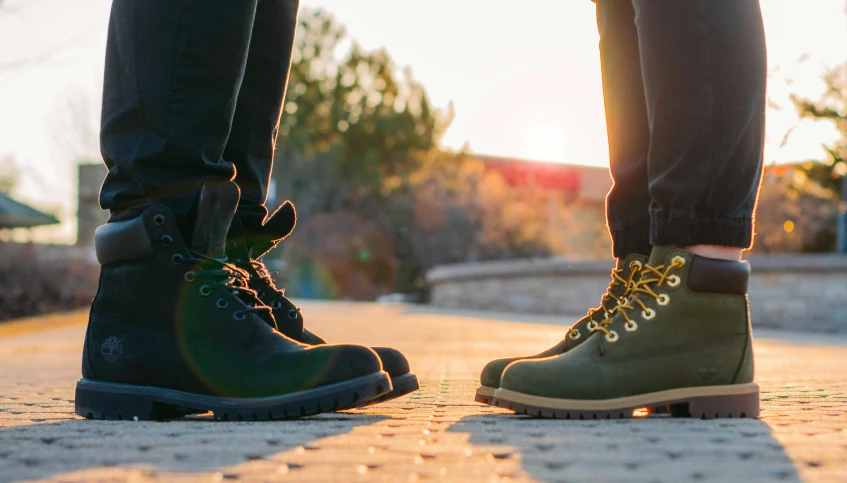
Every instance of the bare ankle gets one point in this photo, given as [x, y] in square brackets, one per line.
[716, 251]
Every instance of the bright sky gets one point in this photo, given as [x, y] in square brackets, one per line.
[525, 81]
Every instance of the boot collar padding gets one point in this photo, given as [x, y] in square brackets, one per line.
[710, 275]
[122, 240]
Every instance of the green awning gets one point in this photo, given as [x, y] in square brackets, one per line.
[14, 214]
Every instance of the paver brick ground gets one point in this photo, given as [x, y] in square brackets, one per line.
[435, 434]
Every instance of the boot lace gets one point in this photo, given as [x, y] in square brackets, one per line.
[652, 278]
[260, 271]
[221, 274]
[609, 296]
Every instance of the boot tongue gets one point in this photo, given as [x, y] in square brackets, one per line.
[238, 250]
[660, 254]
[215, 210]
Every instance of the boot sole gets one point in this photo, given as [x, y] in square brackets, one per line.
[706, 402]
[485, 395]
[112, 401]
[403, 384]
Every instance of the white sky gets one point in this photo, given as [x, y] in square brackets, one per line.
[525, 81]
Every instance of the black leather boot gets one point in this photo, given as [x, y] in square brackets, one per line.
[245, 249]
[174, 330]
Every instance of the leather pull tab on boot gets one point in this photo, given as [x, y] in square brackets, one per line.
[278, 226]
[217, 205]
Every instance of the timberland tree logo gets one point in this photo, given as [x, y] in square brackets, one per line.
[708, 369]
[112, 348]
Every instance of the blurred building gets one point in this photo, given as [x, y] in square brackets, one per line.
[89, 213]
[588, 184]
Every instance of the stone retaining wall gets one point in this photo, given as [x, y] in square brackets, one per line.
[786, 291]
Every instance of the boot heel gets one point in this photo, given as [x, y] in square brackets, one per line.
[726, 406]
[94, 403]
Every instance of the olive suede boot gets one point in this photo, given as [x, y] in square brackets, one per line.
[682, 339]
[622, 278]
[245, 249]
[173, 331]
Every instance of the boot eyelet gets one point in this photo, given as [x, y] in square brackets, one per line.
[592, 325]
[635, 265]
[190, 276]
[276, 305]
[648, 314]
[612, 336]
[673, 280]
[159, 219]
[177, 258]
[630, 326]
[663, 299]
[261, 293]
[678, 261]
[293, 314]
[239, 315]
[230, 246]
[166, 240]
[574, 335]
[221, 303]
[205, 290]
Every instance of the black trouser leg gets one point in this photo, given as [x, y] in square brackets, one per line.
[628, 203]
[704, 68]
[684, 84]
[254, 130]
[173, 72]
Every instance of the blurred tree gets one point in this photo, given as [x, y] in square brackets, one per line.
[352, 121]
[8, 174]
[831, 107]
[825, 179]
[789, 219]
[378, 202]
[75, 127]
[354, 129]
[7, 184]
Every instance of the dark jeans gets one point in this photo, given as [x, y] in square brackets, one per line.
[684, 88]
[193, 91]
[194, 88]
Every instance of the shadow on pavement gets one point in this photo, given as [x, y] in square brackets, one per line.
[657, 448]
[185, 447]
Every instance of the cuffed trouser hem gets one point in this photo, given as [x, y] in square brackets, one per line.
[701, 230]
[626, 241]
[180, 198]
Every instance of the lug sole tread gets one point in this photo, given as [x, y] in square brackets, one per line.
[114, 406]
[708, 407]
[402, 385]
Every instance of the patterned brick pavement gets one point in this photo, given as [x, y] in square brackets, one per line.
[436, 434]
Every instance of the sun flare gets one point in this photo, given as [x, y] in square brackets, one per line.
[547, 141]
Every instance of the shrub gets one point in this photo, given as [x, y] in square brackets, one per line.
[37, 279]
